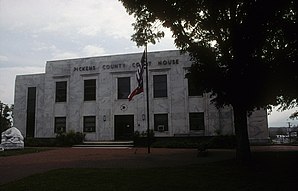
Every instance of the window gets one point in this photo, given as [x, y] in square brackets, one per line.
[161, 122]
[31, 106]
[196, 121]
[60, 125]
[89, 90]
[89, 124]
[160, 86]
[123, 87]
[193, 90]
[61, 91]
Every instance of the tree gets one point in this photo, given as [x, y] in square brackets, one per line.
[5, 115]
[294, 115]
[244, 52]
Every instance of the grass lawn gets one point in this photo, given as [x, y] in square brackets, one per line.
[7, 153]
[270, 171]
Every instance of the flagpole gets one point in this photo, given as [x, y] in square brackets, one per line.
[147, 100]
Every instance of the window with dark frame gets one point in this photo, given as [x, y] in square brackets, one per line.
[123, 87]
[31, 107]
[89, 124]
[161, 122]
[196, 121]
[61, 91]
[193, 90]
[160, 86]
[60, 125]
[89, 90]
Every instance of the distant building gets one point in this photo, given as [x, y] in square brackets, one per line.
[283, 134]
[89, 95]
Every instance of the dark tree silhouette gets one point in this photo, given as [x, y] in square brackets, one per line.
[294, 115]
[244, 52]
[5, 110]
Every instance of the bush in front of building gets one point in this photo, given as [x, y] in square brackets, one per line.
[174, 142]
[210, 142]
[141, 140]
[222, 141]
[62, 139]
[40, 142]
[70, 138]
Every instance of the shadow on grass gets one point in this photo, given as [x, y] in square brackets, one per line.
[270, 171]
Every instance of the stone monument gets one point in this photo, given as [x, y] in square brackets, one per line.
[12, 139]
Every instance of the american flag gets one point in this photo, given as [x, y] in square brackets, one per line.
[139, 75]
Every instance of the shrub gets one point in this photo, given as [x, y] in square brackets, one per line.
[223, 141]
[175, 143]
[70, 138]
[141, 139]
[212, 142]
[40, 142]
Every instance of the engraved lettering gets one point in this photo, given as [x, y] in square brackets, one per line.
[85, 68]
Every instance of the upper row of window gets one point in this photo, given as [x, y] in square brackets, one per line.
[160, 88]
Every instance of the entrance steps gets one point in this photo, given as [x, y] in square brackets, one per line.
[105, 144]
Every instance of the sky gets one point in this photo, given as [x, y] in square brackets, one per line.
[35, 31]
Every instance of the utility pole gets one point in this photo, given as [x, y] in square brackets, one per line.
[289, 123]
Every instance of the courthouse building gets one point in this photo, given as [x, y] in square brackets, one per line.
[89, 95]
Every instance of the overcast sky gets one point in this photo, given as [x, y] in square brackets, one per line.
[35, 31]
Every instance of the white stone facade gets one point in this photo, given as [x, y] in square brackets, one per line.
[105, 71]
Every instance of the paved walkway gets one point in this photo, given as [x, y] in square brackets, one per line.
[17, 167]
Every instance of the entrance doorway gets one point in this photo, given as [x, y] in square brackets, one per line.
[124, 127]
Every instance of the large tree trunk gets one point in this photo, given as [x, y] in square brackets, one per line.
[243, 153]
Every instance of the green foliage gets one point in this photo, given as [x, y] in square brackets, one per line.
[141, 139]
[294, 115]
[238, 47]
[281, 131]
[62, 139]
[243, 52]
[223, 141]
[40, 142]
[6, 116]
[176, 143]
[214, 142]
[70, 138]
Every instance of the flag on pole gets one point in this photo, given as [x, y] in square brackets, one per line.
[139, 75]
